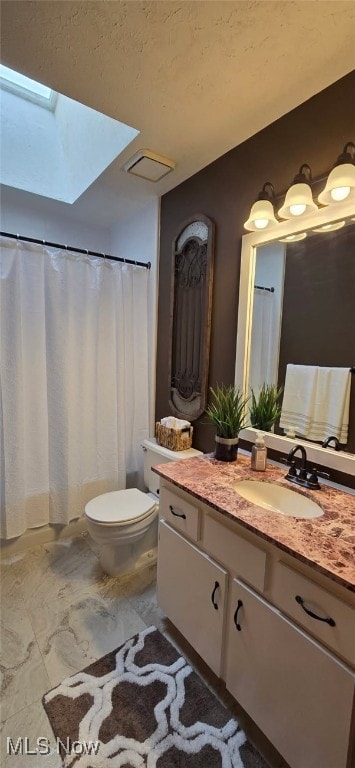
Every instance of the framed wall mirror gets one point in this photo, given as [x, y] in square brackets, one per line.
[297, 306]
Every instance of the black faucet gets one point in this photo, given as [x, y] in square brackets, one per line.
[293, 475]
[301, 476]
[331, 439]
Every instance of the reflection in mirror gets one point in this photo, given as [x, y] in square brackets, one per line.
[267, 315]
[303, 331]
[297, 306]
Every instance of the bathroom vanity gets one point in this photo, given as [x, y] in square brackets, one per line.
[268, 601]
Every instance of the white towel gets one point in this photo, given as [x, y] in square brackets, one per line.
[331, 408]
[299, 397]
[316, 401]
[173, 423]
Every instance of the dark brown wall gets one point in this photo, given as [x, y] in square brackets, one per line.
[313, 133]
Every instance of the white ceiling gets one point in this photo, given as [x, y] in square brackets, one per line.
[196, 77]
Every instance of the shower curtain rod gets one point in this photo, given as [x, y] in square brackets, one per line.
[262, 288]
[146, 264]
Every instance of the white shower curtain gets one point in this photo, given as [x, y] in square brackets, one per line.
[74, 381]
[264, 349]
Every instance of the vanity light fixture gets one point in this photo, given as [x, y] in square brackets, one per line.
[262, 215]
[299, 200]
[341, 180]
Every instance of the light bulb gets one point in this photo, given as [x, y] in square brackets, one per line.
[297, 209]
[339, 193]
[261, 223]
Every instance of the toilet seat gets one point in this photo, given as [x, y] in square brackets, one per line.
[120, 507]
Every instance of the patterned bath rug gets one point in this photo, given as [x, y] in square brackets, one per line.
[142, 706]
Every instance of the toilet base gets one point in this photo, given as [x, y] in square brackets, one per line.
[123, 549]
[117, 563]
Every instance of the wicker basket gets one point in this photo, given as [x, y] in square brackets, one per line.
[174, 439]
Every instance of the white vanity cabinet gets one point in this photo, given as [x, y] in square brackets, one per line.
[192, 592]
[297, 692]
[232, 595]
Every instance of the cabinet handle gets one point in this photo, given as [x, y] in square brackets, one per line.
[327, 620]
[235, 617]
[216, 585]
[177, 514]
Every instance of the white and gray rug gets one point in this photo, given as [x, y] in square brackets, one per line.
[142, 706]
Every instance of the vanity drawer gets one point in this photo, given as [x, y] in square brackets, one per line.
[234, 552]
[179, 513]
[287, 585]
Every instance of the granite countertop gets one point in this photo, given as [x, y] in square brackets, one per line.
[326, 543]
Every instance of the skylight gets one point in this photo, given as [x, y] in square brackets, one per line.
[23, 86]
[59, 151]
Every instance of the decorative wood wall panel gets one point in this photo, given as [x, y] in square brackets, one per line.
[190, 320]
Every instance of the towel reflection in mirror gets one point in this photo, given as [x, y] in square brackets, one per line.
[316, 402]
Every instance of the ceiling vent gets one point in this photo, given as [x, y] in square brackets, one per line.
[148, 165]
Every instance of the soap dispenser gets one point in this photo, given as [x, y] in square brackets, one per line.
[259, 453]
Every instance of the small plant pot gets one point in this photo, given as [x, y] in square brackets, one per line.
[226, 448]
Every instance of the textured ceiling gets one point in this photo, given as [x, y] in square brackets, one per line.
[196, 78]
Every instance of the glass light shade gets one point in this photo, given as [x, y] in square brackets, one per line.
[340, 184]
[261, 216]
[298, 202]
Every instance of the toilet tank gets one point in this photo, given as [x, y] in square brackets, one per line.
[156, 454]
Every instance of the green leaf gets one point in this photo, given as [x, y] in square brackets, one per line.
[265, 409]
[227, 411]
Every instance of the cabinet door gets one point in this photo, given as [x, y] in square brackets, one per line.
[191, 592]
[299, 694]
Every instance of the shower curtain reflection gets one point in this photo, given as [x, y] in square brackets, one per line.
[264, 354]
[74, 373]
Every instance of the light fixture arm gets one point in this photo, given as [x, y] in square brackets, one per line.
[304, 175]
[347, 155]
[267, 192]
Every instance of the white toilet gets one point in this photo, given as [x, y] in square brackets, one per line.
[124, 524]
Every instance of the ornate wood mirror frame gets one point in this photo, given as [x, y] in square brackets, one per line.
[190, 316]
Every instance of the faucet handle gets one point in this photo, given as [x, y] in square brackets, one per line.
[313, 478]
[286, 460]
[292, 472]
[320, 473]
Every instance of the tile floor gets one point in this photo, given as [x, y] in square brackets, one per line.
[60, 612]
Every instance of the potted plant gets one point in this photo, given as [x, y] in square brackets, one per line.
[227, 412]
[265, 408]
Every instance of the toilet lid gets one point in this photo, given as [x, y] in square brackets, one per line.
[130, 505]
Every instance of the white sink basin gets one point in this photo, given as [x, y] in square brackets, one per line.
[276, 498]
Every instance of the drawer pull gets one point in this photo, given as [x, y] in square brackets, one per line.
[327, 620]
[177, 514]
[235, 617]
[216, 585]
